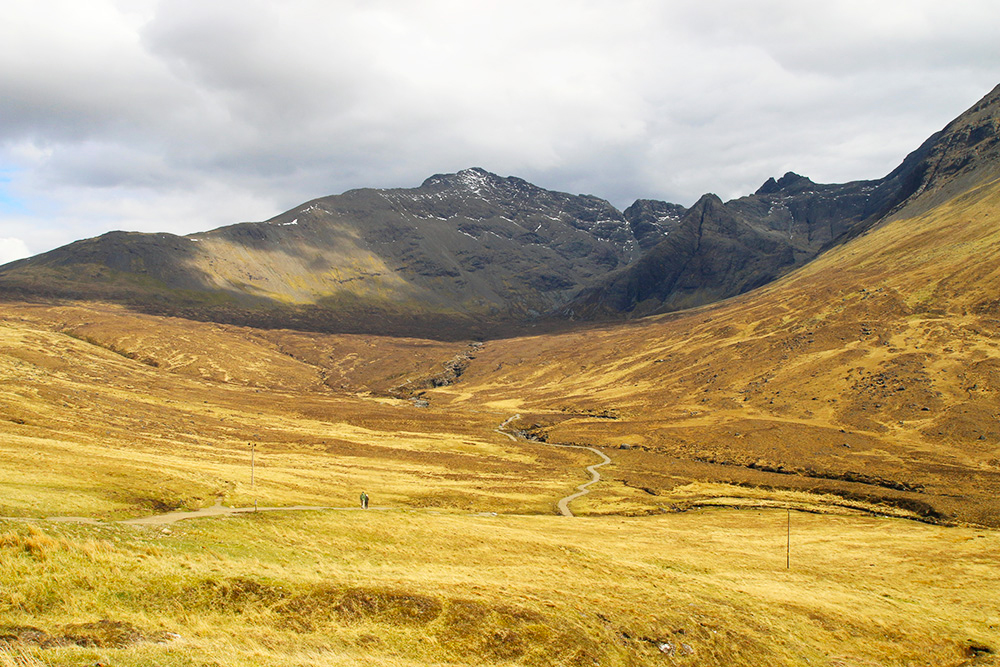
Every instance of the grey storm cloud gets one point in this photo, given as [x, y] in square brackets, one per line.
[183, 115]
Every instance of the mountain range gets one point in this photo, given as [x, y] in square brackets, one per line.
[474, 254]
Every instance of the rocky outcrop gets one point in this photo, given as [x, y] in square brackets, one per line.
[651, 220]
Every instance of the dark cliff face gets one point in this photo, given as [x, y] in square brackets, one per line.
[651, 220]
[718, 250]
[710, 254]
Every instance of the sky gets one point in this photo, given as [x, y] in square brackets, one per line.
[186, 115]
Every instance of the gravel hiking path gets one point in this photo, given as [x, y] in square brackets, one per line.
[173, 517]
[219, 510]
[583, 489]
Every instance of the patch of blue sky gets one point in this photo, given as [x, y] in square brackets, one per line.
[9, 203]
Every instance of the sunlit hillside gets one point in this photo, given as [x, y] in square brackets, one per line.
[871, 373]
[165, 422]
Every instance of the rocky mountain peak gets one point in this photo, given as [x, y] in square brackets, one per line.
[479, 182]
[790, 181]
[654, 210]
[651, 220]
[709, 200]
[477, 194]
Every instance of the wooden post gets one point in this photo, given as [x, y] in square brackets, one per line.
[253, 484]
[788, 540]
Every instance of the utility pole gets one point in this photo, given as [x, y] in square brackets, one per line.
[253, 485]
[788, 540]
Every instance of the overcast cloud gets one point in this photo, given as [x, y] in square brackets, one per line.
[187, 115]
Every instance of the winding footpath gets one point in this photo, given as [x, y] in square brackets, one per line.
[218, 509]
[583, 489]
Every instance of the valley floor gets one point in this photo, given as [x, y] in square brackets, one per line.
[116, 417]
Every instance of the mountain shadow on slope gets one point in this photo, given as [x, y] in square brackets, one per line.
[465, 254]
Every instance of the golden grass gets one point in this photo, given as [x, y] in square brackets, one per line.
[86, 431]
[417, 587]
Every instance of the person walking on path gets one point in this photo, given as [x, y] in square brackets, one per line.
[364, 500]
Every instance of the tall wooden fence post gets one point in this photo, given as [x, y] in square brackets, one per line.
[253, 483]
[788, 540]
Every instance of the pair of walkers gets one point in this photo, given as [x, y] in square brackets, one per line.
[364, 500]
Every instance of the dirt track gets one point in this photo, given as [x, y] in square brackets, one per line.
[219, 510]
[173, 517]
[583, 489]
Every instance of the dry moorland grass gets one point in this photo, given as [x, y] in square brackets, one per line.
[91, 432]
[422, 587]
[87, 431]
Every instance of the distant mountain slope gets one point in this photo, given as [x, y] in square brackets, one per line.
[719, 250]
[463, 253]
[466, 254]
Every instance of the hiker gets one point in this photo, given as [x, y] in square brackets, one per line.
[364, 500]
